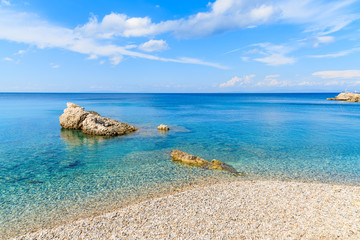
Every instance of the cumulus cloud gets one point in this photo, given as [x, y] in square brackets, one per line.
[116, 24]
[223, 15]
[228, 15]
[317, 16]
[154, 46]
[30, 29]
[346, 74]
[272, 81]
[237, 81]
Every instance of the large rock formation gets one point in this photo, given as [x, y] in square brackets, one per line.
[90, 122]
[183, 157]
[347, 96]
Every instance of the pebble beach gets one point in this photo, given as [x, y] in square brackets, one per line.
[245, 209]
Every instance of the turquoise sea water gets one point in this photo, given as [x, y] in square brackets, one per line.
[49, 175]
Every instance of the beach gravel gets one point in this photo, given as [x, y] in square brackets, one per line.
[232, 210]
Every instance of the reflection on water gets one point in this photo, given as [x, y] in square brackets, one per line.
[73, 138]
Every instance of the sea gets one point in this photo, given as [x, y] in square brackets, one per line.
[50, 175]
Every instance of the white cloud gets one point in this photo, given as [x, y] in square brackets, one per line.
[275, 60]
[338, 54]
[30, 29]
[274, 54]
[228, 15]
[116, 24]
[92, 57]
[306, 83]
[197, 61]
[272, 81]
[21, 52]
[325, 39]
[319, 16]
[347, 74]
[154, 45]
[322, 39]
[8, 59]
[53, 65]
[5, 2]
[221, 16]
[237, 81]
[272, 76]
[115, 60]
[245, 59]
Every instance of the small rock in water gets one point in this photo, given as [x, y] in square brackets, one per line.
[163, 127]
[189, 159]
[90, 122]
[183, 157]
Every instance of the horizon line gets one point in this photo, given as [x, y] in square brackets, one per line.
[163, 92]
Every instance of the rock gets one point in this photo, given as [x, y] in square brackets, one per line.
[183, 157]
[90, 122]
[189, 159]
[98, 125]
[163, 127]
[93, 112]
[347, 96]
[217, 165]
[73, 116]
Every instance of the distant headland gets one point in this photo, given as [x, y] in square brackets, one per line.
[347, 96]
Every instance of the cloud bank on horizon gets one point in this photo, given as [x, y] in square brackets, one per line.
[310, 28]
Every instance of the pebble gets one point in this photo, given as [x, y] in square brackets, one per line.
[235, 210]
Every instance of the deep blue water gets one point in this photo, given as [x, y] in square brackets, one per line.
[49, 175]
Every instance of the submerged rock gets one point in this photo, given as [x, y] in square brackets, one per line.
[189, 159]
[347, 96]
[90, 122]
[183, 157]
[163, 127]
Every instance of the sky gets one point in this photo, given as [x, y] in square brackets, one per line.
[179, 46]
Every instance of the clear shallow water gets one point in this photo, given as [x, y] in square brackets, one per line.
[49, 175]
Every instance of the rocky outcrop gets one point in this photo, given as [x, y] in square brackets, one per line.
[183, 157]
[90, 122]
[163, 127]
[347, 96]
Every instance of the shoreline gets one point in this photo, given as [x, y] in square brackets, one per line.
[241, 208]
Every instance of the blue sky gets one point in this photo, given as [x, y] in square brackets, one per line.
[179, 46]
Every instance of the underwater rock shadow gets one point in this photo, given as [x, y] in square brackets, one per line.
[74, 138]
